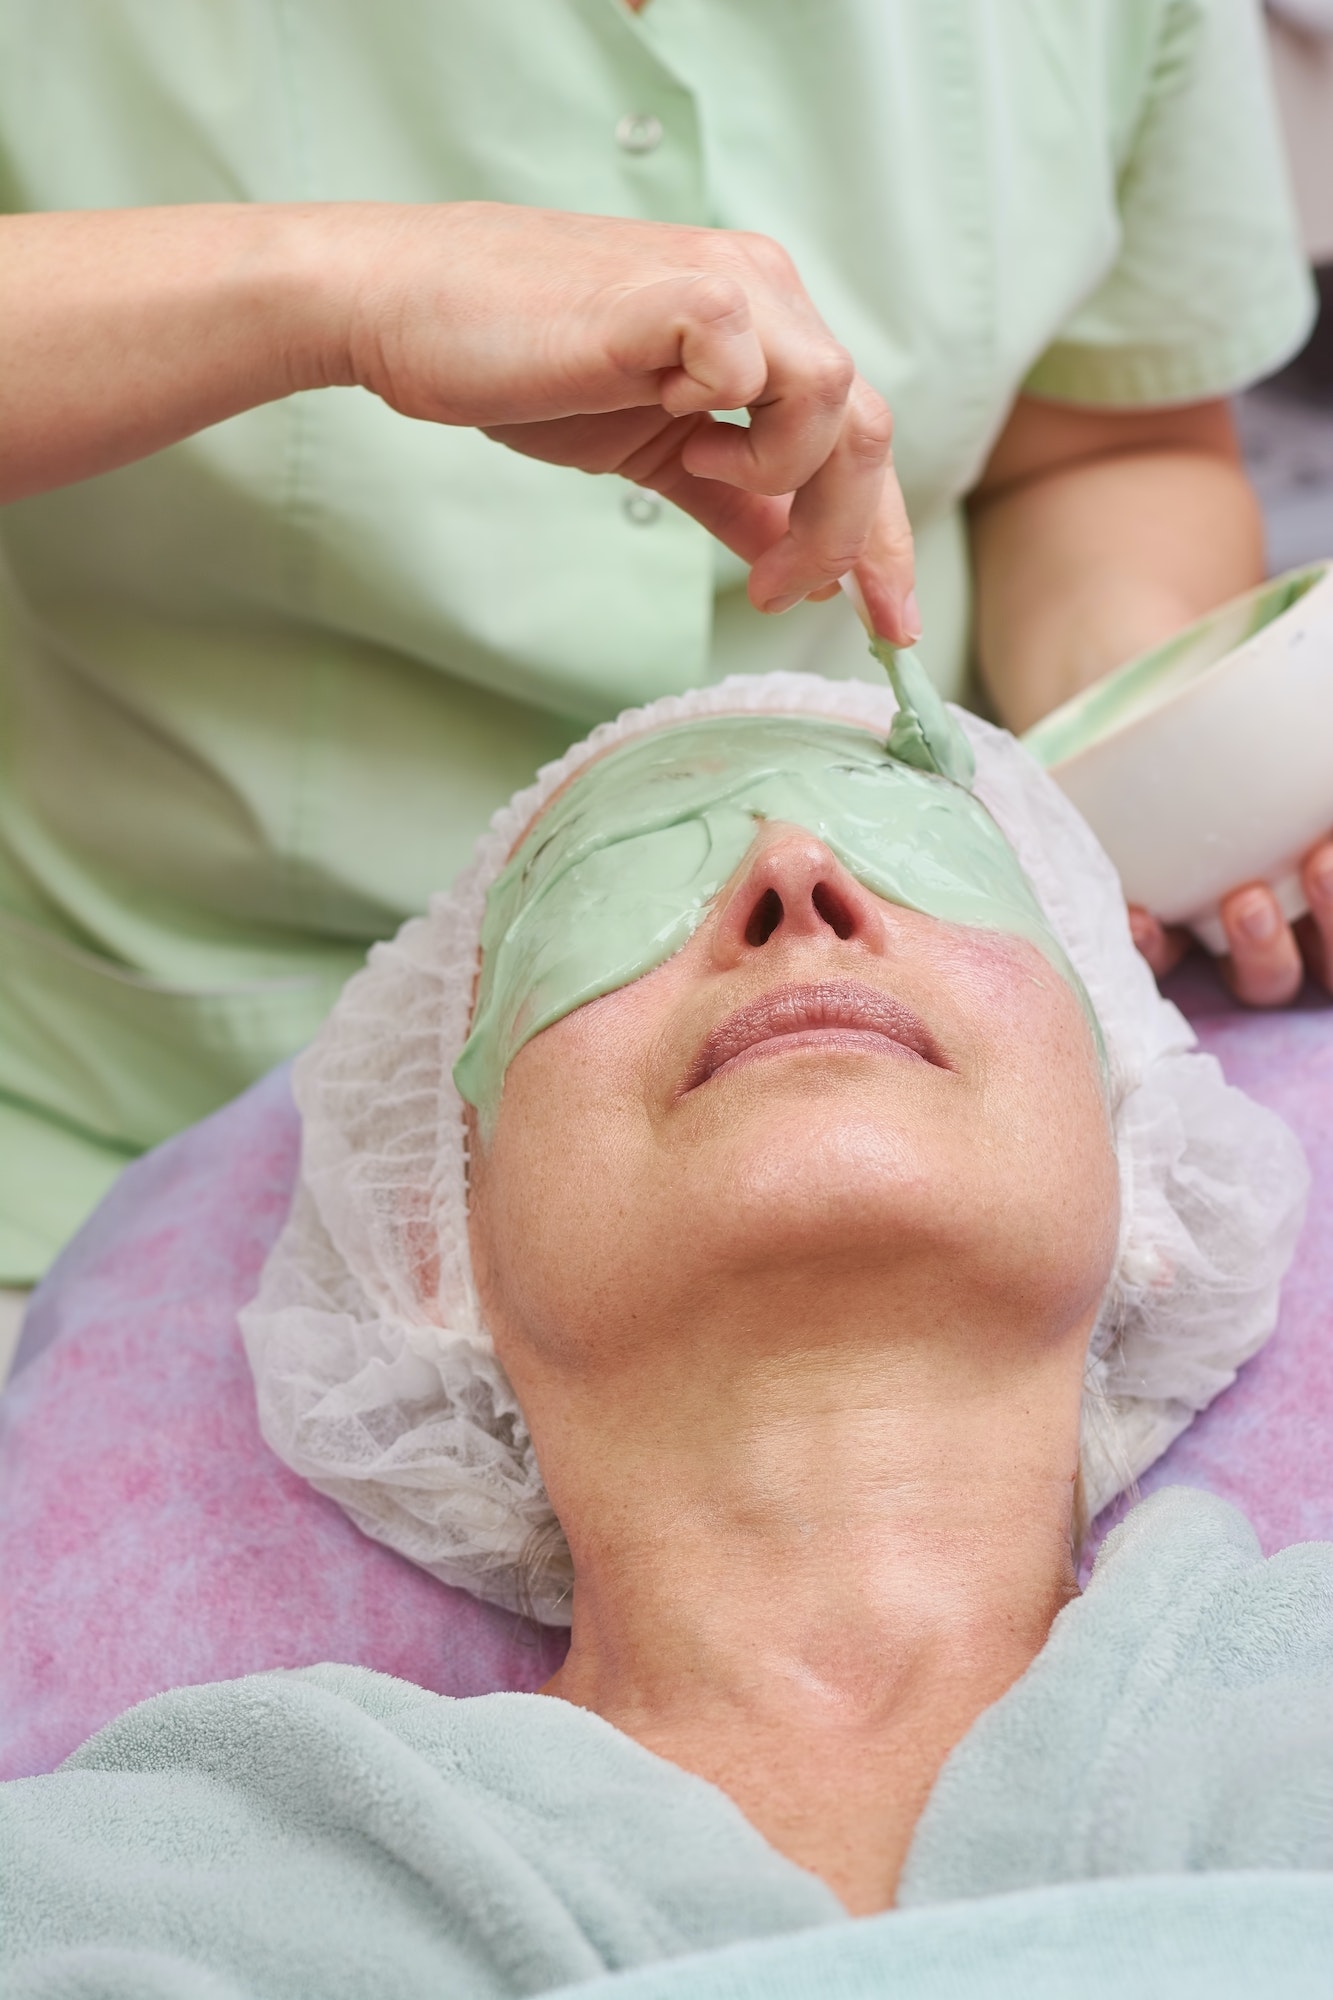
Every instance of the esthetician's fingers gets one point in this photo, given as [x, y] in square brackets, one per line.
[1316, 931]
[849, 517]
[887, 568]
[649, 449]
[689, 342]
[645, 445]
[819, 433]
[794, 423]
[833, 514]
[798, 412]
[1265, 968]
[1163, 947]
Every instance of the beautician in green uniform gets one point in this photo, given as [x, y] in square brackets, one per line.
[273, 647]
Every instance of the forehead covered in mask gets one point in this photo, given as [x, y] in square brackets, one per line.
[619, 871]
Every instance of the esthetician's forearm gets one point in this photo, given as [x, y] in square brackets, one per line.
[122, 332]
[1083, 565]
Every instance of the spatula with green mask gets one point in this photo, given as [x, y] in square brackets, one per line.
[924, 734]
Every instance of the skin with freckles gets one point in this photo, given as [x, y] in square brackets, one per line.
[791, 1249]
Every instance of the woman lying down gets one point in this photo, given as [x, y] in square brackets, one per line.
[803, 1220]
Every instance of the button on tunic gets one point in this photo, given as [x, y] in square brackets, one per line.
[261, 691]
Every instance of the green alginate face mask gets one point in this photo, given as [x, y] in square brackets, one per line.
[617, 874]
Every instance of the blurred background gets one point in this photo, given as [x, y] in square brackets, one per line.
[1286, 424]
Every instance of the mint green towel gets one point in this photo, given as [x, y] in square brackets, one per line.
[1154, 1937]
[334, 1834]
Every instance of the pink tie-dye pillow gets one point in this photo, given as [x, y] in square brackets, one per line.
[149, 1538]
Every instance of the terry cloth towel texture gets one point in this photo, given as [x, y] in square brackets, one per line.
[1148, 1810]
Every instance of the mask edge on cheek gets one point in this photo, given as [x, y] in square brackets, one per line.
[480, 1070]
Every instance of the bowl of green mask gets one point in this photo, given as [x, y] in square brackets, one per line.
[1207, 763]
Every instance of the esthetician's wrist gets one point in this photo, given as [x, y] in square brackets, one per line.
[374, 284]
[313, 274]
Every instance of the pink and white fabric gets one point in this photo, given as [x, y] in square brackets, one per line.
[148, 1538]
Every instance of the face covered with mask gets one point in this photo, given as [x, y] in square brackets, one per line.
[620, 869]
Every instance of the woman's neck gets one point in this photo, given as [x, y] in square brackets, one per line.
[806, 1587]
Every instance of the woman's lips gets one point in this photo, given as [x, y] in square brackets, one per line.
[832, 1014]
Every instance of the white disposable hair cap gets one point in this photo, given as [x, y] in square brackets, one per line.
[376, 1377]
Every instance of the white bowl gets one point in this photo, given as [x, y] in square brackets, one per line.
[1208, 763]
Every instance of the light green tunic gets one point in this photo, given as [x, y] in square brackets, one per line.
[260, 692]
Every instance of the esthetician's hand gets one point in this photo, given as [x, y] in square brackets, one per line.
[585, 340]
[605, 344]
[1269, 956]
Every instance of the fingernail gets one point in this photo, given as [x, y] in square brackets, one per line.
[1257, 919]
[777, 605]
[912, 616]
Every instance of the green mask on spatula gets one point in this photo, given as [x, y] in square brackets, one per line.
[924, 734]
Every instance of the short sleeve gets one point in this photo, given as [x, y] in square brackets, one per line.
[1210, 289]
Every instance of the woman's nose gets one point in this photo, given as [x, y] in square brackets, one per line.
[790, 889]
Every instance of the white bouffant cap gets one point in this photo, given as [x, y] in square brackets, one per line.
[375, 1374]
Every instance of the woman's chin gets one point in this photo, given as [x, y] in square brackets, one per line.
[829, 1173]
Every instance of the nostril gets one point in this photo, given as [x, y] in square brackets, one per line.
[764, 918]
[833, 910]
